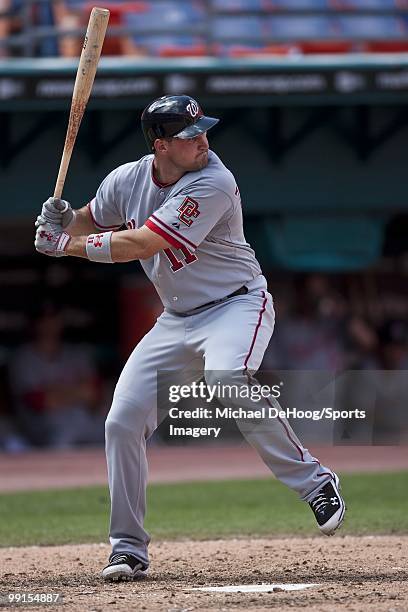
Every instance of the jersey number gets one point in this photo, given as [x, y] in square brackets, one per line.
[175, 263]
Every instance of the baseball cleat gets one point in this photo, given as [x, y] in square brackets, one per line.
[123, 566]
[329, 507]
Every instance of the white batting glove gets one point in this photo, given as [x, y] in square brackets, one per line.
[51, 240]
[56, 212]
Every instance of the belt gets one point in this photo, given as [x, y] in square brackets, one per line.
[241, 291]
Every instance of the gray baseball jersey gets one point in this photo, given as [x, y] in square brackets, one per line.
[207, 259]
[200, 216]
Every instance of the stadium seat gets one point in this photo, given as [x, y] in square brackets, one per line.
[199, 50]
[301, 4]
[47, 47]
[251, 50]
[231, 28]
[168, 16]
[237, 5]
[365, 5]
[371, 27]
[386, 46]
[115, 6]
[113, 45]
[171, 45]
[239, 28]
[118, 7]
[311, 47]
[302, 27]
[74, 5]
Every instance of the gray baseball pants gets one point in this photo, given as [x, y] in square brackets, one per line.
[228, 337]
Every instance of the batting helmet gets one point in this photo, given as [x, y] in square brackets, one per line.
[179, 116]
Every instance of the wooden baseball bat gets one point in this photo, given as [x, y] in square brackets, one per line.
[88, 62]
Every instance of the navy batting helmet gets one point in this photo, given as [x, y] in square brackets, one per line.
[169, 116]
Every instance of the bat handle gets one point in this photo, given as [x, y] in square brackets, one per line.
[63, 169]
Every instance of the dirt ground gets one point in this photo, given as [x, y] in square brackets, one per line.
[351, 573]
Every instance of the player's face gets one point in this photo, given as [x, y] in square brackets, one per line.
[189, 154]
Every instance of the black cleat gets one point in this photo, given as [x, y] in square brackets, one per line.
[329, 507]
[123, 566]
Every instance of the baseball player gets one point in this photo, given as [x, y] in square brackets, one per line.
[182, 208]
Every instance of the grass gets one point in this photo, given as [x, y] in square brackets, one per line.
[377, 503]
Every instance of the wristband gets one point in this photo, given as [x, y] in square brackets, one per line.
[98, 247]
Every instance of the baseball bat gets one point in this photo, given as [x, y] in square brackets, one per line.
[88, 62]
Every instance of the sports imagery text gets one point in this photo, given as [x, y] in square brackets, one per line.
[256, 415]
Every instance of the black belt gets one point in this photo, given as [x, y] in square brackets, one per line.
[241, 291]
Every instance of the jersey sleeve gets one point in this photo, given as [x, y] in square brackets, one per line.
[187, 218]
[104, 208]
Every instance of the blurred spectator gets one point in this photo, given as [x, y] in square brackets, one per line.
[361, 341]
[55, 387]
[381, 389]
[391, 384]
[18, 17]
[4, 24]
[393, 345]
[238, 28]
[166, 28]
[11, 441]
[10, 438]
[310, 337]
[7, 24]
[69, 16]
[308, 341]
[74, 15]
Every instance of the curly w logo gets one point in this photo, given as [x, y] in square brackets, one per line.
[193, 108]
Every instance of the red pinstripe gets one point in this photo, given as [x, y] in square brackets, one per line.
[298, 448]
[256, 330]
[173, 231]
[288, 433]
[158, 230]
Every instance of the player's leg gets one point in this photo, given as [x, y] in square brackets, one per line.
[130, 422]
[238, 334]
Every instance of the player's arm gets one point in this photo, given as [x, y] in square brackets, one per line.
[82, 223]
[127, 245]
[106, 247]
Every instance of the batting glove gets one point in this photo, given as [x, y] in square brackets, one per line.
[50, 240]
[56, 212]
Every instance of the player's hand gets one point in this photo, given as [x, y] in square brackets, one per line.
[57, 212]
[51, 240]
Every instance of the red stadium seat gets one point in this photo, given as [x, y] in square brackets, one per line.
[112, 45]
[311, 47]
[243, 51]
[194, 51]
[386, 46]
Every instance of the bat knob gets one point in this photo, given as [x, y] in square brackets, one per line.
[60, 205]
[65, 208]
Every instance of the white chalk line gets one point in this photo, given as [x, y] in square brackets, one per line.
[255, 588]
